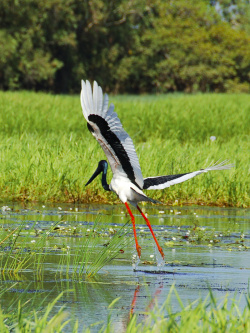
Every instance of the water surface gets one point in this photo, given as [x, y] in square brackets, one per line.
[205, 247]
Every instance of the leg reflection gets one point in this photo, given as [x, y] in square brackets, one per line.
[134, 300]
[152, 301]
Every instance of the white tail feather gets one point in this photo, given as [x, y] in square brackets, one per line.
[212, 167]
[219, 166]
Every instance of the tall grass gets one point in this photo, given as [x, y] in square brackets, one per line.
[47, 153]
[209, 315]
[33, 316]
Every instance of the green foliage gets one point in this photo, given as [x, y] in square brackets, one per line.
[27, 319]
[236, 12]
[131, 46]
[48, 154]
[210, 315]
[209, 55]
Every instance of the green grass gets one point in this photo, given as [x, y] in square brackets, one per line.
[209, 315]
[47, 153]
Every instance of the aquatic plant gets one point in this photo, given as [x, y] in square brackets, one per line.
[29, 317]
[21, 249]
[208, 315]
[95, 251]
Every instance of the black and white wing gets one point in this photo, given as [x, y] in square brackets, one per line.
[158, 183]
[106, 127]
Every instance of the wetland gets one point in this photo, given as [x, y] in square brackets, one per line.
[206, 249]
[67, 254]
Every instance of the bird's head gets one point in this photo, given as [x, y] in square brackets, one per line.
[102, 167]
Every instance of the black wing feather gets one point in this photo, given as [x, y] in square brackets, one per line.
[152, 181]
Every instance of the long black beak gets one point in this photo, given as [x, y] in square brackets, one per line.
[95, 174]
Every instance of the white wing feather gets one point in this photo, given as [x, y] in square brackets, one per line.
[94, 103]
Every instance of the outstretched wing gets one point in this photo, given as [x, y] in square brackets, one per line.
[158, 183]
[106, 127]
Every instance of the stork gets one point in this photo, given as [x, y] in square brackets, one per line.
[127, 182]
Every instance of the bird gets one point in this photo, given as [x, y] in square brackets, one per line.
[127, 182]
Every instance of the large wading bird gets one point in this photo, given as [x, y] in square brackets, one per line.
[127, 182]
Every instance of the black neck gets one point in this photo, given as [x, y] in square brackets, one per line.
[104, 181]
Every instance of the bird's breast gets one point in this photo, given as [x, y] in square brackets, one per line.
[122, 187]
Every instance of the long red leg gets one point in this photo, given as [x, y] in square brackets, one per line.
[151, 230]
[138, 248]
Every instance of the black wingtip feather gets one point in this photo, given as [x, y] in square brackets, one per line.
[152, 181]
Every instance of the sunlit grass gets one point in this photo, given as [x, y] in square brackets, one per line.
[47, 153]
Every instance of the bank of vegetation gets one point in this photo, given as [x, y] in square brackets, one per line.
[47, 153]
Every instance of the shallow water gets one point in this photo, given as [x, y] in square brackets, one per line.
[219, 260]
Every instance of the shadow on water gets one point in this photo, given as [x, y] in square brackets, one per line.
[205, 248]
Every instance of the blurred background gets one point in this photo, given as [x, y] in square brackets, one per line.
[138, 46]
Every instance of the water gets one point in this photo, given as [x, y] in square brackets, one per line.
[205, 247]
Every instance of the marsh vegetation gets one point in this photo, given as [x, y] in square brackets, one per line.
[47, 153]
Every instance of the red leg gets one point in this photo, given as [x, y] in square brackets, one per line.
[151, 230]
[138, 248]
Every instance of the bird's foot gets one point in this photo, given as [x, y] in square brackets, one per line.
[138, 249]
[161, 252]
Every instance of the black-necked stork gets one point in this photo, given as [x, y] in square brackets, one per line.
[127, 182]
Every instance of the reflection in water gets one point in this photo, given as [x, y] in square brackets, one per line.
[155, 296]
[194, 263]
[133, 303]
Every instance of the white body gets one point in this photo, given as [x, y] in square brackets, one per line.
[126, 191]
